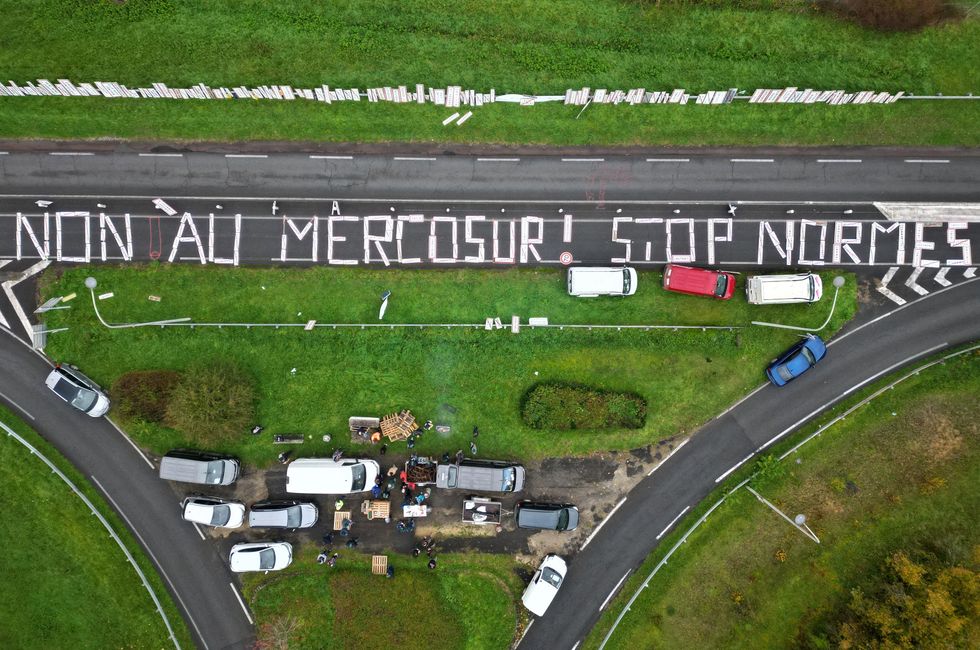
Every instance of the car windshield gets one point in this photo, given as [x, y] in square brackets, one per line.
[220, 515]
[563, 519]
[809, 356]
[508, 483]
[358, 477]
[216, 471]
[84, 399]
[293, 516]
[784, 373]
[267, 559]
[551, 576]
[721, 286]
[626, 281]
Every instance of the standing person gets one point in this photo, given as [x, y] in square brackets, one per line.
[416, 552]
[338, 504]
[473, 448]
[332, 561]
[352, 542]
[322, 557]
[338, 454]
[390, 573]
[432, 563]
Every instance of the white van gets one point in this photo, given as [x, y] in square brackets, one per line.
[781, 289]
[327, 476]
[592, 281]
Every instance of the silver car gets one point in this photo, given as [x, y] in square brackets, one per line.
[68, 383]
[260, 556]
[283, 514]
[210, 511]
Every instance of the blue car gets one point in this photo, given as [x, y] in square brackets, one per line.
[797, 360]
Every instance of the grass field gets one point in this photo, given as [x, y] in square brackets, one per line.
[900, 473]
[66, 584]
[373, 372]
[541, 47]
[469, 602]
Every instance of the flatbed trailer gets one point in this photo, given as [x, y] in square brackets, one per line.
[480, 511]
[420, 470]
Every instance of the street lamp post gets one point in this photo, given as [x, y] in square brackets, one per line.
[799, 523]
[838, 283]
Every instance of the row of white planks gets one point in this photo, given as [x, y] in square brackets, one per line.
[451, 96]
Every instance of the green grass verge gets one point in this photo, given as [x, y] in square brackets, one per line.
[912, 456]
[468, 602]
[66, 583]
[481, 374]
[541, 47]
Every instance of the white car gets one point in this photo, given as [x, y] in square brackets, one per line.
[210, 511]
[327, 476]
[68, 383]
[260, 556]
[544, 585]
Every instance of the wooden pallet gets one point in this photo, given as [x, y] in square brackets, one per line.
[376, 509]
[379, 565]
[398, 426]
[338, 519]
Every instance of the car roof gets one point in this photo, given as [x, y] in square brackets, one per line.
[326, 476]
[689, 278]
[595, 279]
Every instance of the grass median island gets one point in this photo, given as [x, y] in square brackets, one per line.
[66, 583]
[469, 602]
[542, 47]
[890, 490]
[463, 378]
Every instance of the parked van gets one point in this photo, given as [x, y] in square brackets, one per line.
[481, 476]
[780, 289]
[592, 281]
[327, 476]
[198, 467]
[546, 516]
[699, 282]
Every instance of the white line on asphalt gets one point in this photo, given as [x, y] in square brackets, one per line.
[161, 155]
[838, 160]
[332, 157]
[8, 289]
[733, 468]
[327, 199]
[583, 160]
[525, 632]
[498, 159]
[130, 441]
[199, 532]
[896, 310]
[602, 523]
[885, 291]
[668, 160]
[576, 644]
[3, 153]
[242, 603]
[754, 160]
[18, 406]
[611, 594]
[411, 158]
[672, 452]
[924, 161]
[742, 400]
[673, 521]
[849, 391]
[135, 531]
[913, 285]
[70, 153]
[246, 155]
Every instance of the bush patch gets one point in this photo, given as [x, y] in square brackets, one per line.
[576, 407]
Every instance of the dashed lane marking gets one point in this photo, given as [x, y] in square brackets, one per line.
[408, 158]
[332, 157]
[753, 160]
[838, 160]
[498, 159]
[18, 406]
[612, 593]
[924, 161]
[592, 160]
[161, 155]
[602, 523]
[70, 153]
[668, 160]
[673, 521]
[246, 155]
[242, 603]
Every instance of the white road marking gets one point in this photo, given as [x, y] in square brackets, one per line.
[246, 155]
[130, 441]
[70, 153]
[576, 644]
[970, 272]
[924, 161]
[611, 594]
[941, 277]
[498, 159]
[672, 452]
[161, 155]
[411, 158]
[332, 157]
[673, 521]
[850, 390]
[885, 291]
[583, 160]
[733, 468]
[18, 406]
[200, 532]
[913, 285]
[526, 630]
[3, 153]
[135, 531]
[242, 603]
[669, 160]
[838, 160]
[742, 400]
[753, 160]
[602, 523]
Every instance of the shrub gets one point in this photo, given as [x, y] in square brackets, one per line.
[566, 406]
[144, 394]
[892, 15]
[212, 402]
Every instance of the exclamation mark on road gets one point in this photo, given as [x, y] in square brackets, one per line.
[156, 240]
[567, 234]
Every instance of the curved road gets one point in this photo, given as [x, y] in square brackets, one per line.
[855, 358]
[196, 576]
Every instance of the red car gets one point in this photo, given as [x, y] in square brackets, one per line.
[699, 282]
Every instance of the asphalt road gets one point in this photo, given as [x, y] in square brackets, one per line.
[941, 320]
[203, 587]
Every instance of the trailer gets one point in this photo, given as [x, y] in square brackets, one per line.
[420, 470]
[480, 511]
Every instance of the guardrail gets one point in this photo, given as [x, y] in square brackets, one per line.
[105, 523]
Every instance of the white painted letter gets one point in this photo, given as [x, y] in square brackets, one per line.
[313, 225]
[496, 244]
[331, 238]
[712, 239]
[964, 244]
[399, 233]
[377, 239]
[787, 254]
[900, 253]
[922, 245]
[845, 242]
[528, 242]
[619, 240]
[481, 253]
[57, 230]
[24, 224]
[187, 220]
[127, 248]
[689, 257]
